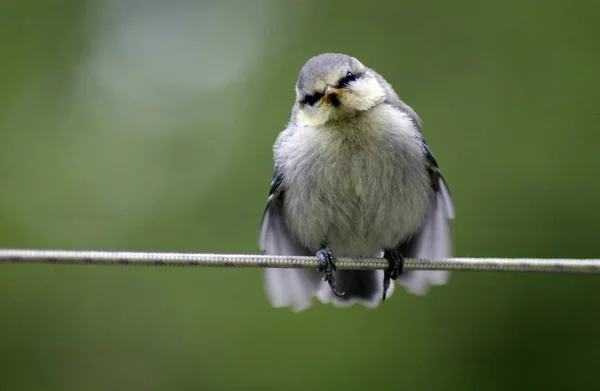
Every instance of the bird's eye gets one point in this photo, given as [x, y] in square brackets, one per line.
[311, 99]
[344, 81]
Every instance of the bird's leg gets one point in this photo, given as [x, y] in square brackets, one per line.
[327, 265]
[396, 261]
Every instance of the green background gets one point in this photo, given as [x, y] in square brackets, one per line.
[148, 126]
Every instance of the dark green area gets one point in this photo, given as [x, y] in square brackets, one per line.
[508, 92]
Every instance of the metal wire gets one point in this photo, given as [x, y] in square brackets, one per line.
[23, 256]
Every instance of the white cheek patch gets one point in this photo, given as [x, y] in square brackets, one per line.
[364, 94]
[315, 117]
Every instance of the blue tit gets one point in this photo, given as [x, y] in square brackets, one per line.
[353, 177]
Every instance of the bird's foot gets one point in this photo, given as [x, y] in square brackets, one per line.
[327, 265]
[395, 269]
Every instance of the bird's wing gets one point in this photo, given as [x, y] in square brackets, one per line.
[434, 240]
[285, 287]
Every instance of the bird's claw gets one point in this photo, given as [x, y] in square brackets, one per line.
[327, 265]
[395, 269]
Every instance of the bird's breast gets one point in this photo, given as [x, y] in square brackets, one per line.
[358, 192]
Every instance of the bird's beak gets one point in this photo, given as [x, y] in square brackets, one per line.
[332, 96]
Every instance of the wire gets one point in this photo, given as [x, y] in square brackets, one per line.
[60, 257]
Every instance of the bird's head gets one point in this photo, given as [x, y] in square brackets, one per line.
[332, 87]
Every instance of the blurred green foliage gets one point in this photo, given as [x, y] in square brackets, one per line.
[148, 126]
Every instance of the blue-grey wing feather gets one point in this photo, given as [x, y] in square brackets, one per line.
[434, 240]
[285, 287]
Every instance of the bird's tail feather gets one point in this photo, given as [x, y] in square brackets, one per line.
[292, 287]
[359, 286]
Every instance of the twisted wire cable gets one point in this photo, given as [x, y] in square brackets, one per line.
[63, 257]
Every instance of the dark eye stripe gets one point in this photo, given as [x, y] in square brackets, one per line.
[311, 99]
[344, 81]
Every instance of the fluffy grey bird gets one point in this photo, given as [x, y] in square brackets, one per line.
[355, 178]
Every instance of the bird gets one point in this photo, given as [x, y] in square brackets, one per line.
[353, 177]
